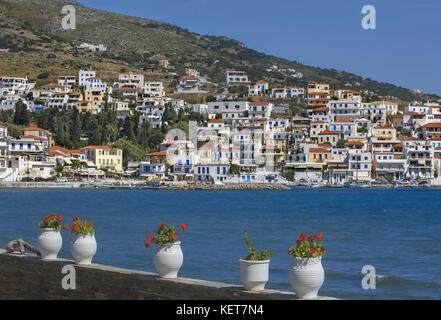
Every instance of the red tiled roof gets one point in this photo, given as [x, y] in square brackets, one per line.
[100, 147]
[383, 127]
[54, 148]
[56, 153]
[155, 154]
[32, 129]
[125, 88]
[354, 143]
[318, 150]
[432, 125]
[258, 103]
[34, 137]
[53, 85]
[411, 139]
[328, 132]
[215, 121]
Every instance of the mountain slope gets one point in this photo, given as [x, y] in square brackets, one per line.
[32, 32]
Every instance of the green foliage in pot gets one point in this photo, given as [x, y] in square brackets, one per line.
[253, 254]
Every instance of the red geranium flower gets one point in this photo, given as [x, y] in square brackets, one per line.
[83, 225]
[147, 244]
[183, 227]
[65, 226]
[319, 236]
[47, 218]
[59, 218]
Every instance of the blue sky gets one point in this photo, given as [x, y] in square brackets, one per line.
[405, 49]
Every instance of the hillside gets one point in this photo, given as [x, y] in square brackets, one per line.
[37, 44]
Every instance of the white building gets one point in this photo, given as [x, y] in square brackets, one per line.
[131, 80]
[68, 81]
[236, 78]
[83, 75]
[151, 112]
[258, 88]
[154, 89]
[95, 83]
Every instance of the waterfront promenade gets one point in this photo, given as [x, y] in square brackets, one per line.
[28, 277]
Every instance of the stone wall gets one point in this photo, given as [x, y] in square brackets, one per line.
[29, 277]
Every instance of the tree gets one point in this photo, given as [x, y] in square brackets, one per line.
[341, 143]
[210, 98]
[131, 152]
[21, 116]
[234, 169]
[75, 129]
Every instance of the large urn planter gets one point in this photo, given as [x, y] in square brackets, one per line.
[168, 259]
[254, 274]
[83, 248]
[307, 276]
[254, 268]
[49, 243]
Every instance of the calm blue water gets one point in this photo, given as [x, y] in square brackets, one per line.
[397, 231]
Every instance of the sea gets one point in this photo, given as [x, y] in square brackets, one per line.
[394, 231]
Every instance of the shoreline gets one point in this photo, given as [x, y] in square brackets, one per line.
[137, 185]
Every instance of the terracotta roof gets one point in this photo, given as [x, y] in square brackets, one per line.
[126, 88]
[342, 121]
[354, 143]
[53, 148]
[435, 139]
[32, 129]
[100, 147]
[2, 126]
[76, 151]
[328, 132]
[215, 121]
[415, 113]
[34, 137]
[154, 154]
[383, 127]
[432, 125]
[318, 150]
[411, 139]
[56, 153]
[258, 103]
[53, 85]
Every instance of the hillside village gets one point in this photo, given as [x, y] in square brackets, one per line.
[250, 133]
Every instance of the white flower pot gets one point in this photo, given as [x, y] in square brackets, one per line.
[83, 248]
[49, 243]
[306, 276]
[168, 260]
[254, 274]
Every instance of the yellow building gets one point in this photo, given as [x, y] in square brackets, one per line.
[104, 157]
[318, 87]
[96, 97]
[83, 106]
[319, 155]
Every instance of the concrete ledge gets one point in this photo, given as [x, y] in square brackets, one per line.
[29, 277]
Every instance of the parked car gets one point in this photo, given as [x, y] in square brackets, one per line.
[27, 179]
